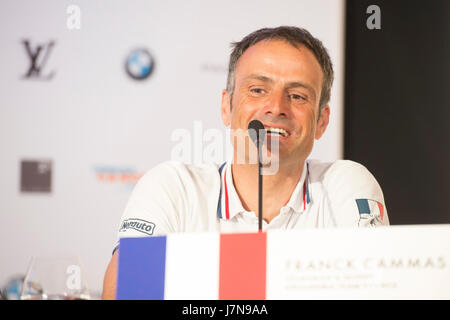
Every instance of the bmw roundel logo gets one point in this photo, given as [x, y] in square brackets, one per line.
[139, 64]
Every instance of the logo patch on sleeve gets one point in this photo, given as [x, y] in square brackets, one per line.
[370, 212]
[138, 225]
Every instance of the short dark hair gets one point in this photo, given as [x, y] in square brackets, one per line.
[294, 36]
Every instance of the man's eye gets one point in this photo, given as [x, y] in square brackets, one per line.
[257, 90]
[297, 97]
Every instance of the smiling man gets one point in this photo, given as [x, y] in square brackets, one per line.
[281, 77]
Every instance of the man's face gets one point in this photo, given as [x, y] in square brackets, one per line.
[280, 85]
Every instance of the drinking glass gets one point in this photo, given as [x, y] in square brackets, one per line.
[55, 278]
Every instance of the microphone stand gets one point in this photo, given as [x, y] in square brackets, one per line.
[257, 134]
[260, 185]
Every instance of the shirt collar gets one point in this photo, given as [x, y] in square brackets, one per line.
[301, 197]
[230, 205]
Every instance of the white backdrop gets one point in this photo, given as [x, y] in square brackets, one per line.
[100, 128]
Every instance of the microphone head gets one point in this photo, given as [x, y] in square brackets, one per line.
[256, 131]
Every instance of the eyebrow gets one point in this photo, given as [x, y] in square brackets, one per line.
[259, 77]
[290, 85]
[302, 85]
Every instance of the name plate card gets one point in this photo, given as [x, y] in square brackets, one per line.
[397, 262]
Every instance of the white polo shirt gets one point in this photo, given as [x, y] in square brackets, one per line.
[177, 197]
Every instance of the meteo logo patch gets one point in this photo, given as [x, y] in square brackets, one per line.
[139, 225]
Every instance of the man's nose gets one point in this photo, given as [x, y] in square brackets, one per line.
[277, 105]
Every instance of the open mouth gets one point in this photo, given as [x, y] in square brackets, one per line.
[277, 131]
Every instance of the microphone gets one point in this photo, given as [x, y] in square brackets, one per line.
[257, 133]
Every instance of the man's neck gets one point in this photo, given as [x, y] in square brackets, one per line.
[277, 188]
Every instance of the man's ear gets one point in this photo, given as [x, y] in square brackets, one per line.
[322, 124]
[226, 108]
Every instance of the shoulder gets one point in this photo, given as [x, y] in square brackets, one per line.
[346, 185]
[340, 171]
[173, 174]
[166, 195]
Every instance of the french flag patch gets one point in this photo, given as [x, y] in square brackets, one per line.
[371, 212]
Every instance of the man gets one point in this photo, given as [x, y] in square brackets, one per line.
[281, 77]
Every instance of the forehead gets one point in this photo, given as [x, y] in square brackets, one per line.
[280, 60]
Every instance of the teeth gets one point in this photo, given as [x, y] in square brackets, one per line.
[279, 131]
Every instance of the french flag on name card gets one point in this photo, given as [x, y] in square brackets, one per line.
[193, 266]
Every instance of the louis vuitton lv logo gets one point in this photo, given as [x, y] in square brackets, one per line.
[38, 58]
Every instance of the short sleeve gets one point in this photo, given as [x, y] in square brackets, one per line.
[356, 198]
[154, 204]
